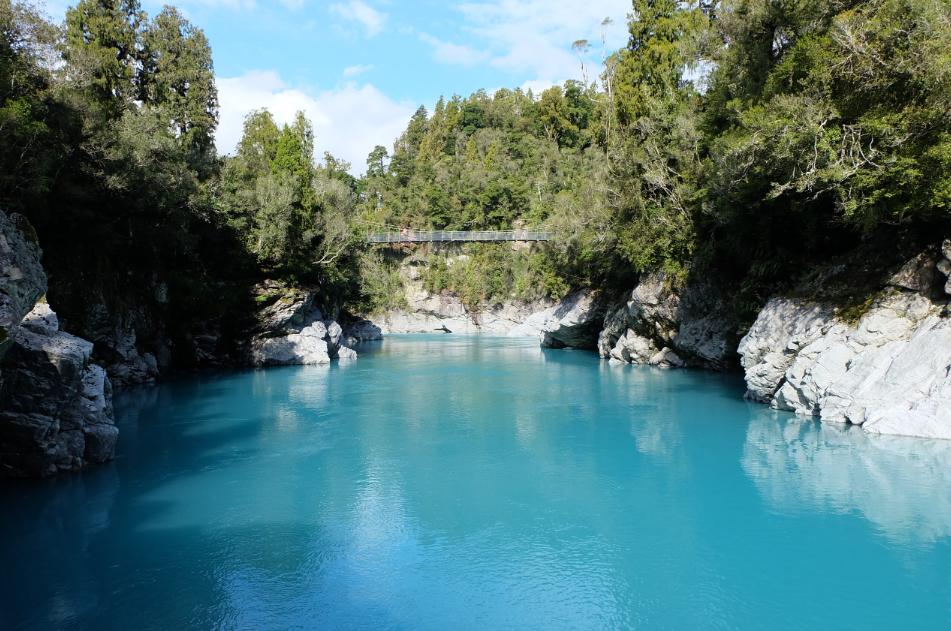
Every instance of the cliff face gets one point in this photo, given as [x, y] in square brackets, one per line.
[664, 327]
[55, 405]
[889, 371]
[573, 321]
[425, 311]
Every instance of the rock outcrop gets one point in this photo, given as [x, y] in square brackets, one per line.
[769, 348]
[572, 322]
[448, 311]
[663, 327]
[359, 331]
[55, 405]
[22, 279]
[889, 371]
[117, 346]
[944, 265]
[292, 331]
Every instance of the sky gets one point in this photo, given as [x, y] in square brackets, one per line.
[360, 68]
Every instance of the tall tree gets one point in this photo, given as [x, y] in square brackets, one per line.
[179, 78]
[28, 159]
[376, 161]
[104, 50]
[258, 145]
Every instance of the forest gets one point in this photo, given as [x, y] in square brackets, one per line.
[753, 140]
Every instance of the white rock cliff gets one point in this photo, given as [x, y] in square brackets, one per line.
[889, 372]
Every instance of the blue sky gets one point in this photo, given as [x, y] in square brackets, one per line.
[360, 68]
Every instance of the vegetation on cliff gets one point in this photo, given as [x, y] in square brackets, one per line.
[754, 137]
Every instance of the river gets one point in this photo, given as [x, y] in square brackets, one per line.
[480, 483]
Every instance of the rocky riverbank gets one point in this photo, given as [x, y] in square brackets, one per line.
[291, 330]
[888, 371]
[573, 321]
[55, 404]
[884, 364]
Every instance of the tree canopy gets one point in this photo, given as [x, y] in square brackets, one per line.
[755, 138]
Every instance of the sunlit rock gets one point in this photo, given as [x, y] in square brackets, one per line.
[888, 372]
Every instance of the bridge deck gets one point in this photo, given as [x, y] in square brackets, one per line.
[439, 236]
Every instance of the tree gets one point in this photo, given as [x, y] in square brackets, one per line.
[258, 145]
[105, 52]
[376, 161]
[581, 48]
[29, 158]
[406, 148]
[656, 158]
[664, 39]
[178, 78]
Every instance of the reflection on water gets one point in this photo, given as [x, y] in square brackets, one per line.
[448, 482]
[898, 483]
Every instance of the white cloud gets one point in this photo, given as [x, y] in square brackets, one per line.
[455, 54]
[352, 71]
[534, 36]
[359, 11]
[348, 121]
[537, 86]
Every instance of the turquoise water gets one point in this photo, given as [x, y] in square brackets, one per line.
[466, 483]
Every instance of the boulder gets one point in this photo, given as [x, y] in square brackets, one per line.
[360, 331]
[307, 347]
[666, 358]
[919, 274]
[346, 354]
[290, 330]
[629, 348]
[334, 333]
[306, 339]
[41, 320]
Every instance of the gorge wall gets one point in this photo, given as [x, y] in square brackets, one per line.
[884, 365]
[55, 404]
[888, 370]
[574, 321]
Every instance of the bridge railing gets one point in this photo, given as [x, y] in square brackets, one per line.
[438, 236]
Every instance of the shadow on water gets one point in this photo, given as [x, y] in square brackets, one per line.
[66, 566]
[481, 483]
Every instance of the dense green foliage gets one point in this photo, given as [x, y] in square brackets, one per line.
[107, 127]
[494, 274]
[504, 161]
[756, 138]
[825, 123]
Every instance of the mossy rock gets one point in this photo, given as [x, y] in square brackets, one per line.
[852, 311]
